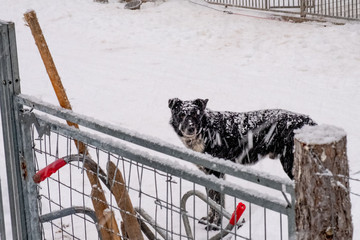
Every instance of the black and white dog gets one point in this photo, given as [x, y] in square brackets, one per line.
[240, 137]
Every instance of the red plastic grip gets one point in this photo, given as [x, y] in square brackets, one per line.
[238, 212]
[48, 170]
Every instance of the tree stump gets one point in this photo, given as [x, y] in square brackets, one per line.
[321, 172]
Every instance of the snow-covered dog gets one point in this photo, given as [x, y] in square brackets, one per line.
[240, 137]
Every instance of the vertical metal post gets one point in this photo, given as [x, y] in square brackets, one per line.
[8, 118]
[19, 186]
[291, 217]
[2, 219]
[303, 8]
[29, 186]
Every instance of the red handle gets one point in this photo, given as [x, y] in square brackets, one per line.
[48, 170]
[239, 211]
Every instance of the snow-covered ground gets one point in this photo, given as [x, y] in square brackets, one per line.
[122, 66]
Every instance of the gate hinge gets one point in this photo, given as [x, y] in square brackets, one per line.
[28, 117]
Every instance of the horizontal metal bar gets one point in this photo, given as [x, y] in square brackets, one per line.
[71, 211]
[68, 211]
[333, 16]
[227, 167]
[168, 166]
[271, 7]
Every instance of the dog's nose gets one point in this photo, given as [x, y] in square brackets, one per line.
[191, 130]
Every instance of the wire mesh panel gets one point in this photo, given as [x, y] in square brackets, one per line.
[163, 201]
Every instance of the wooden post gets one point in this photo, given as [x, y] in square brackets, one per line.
[32, 21]
[107, 223]
[108, 228]
[114, 181]
[118, 189]
[321, 172]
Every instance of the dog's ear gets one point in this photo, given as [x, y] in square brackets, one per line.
[201, 103]
[174, 102]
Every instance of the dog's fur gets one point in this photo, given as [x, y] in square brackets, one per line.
[240, 137]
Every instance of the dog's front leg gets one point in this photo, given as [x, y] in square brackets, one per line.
[214, 218]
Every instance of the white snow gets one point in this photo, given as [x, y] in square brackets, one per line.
[122, 66]
[320, 134]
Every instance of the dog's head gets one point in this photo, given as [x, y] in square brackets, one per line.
[186, 115]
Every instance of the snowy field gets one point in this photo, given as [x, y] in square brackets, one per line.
[122, 66]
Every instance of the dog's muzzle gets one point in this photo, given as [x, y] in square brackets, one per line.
[191, 131]
[188, 128]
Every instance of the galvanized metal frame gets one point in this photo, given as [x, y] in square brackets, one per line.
[17, 123]
[158, 145]
[164, 164]
[9, 88]
[167, 165]
[18, 152]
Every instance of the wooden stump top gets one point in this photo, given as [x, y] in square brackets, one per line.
[319, 134]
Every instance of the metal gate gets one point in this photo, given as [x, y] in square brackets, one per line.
[168, 194]
[344, 9]
[259, 4]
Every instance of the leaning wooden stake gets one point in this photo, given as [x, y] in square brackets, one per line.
[106, 220]
[32, 21]
[321, 170]
[128, 214]
[108, 229]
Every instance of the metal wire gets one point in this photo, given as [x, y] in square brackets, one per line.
[158, 192]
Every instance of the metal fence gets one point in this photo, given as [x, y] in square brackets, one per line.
[345, 9]
[167, 191]
[258, 4]
[348, 9]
